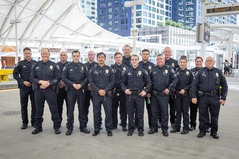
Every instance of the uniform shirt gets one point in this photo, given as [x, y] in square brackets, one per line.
[163, 77]
[101, 78]
[148, 66]
[118, 72]
[135, 79]
[173, 63]
[207, 80]
[61, 66]
[184, 79]
[75, 73]
[90, 65]
[47, 71]
[22, 71]
[126, 61]
[193, 72]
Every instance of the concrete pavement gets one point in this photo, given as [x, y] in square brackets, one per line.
[21, 144]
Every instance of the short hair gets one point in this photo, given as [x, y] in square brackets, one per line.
[26, 48]
[199, 57]
[134, 55]
[101, 53]
[117, 53]
[127, 46]
[46, 49]
[183, 57]
[145, 50]
[160, 55]
[75, 51]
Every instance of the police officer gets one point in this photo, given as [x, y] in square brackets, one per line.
[133, 82]
[61, 90]
[148, 66]
[127, 56]
[182, 100]
[118, 95]
[194, 107]
[88, 96]
[164, 81]
[207, 84]
[21, 73]
[174, 64]
[75, 76]
[45, 76]
[102, 80]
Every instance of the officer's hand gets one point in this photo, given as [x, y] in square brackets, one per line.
[27, 84]
[142, 93]
[182, 91]
[75, 86]
[78, 86]
[44, 84]
[194, 100]
[102, 92]
[128, 92]
[166, 91]
[222, 102]
[61, 84]
[148, 95]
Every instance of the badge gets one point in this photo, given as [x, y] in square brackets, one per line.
[217, 75]
[24, 66]
[203, 74]
[71, 69]
[37, 68]
[82, 68]
[166, 71]
[150, 67]
[124, 68]
[129, 74]
[51, 67]
[107, 71]
[139, 73]
[187, 73]
[172, 64]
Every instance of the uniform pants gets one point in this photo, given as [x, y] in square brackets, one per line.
[61, 96]
[107, 104]
[88, 97]
[74, 96]
[49, 95]
[182, 108]
[25, 92]
[172, 110]
[149, 111]
[160, 105]
[212, 104]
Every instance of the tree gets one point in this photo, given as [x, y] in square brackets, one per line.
[168, 22]
[161, 24]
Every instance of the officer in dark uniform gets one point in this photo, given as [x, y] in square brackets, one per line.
[174, 64]
[118, 95]
[75, 76]
[45, 76]
[148, 66]
[127, 56]
[21, 73]
[182, 100]
[88, 96]
[102, 80]
[207, 84]
[61, 89]
[194, 107]
[133, 82]
[164, 80]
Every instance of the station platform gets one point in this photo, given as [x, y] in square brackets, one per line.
[21, 144]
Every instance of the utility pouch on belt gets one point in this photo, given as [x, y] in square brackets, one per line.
[200, 93]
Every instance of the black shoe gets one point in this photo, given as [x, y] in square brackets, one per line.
[192, 128]
[208, 130]
[175, 130]
[36, 131]
[130, 133]
[152, 131]
[215, 136]
[84, 130]
[124, 129]
[95, 133]
[184, 132]
[109, 133]
[120, 124]
[201, 134]
[165, 133]
[68, 132]
[24, 126]
[57, 131]
[141, 134]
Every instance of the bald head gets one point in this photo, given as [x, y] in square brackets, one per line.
[91, 56]
[209, 63]
[63, 56]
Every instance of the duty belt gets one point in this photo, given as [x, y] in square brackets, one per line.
[156, 93]
[135, 92]
[211, 93]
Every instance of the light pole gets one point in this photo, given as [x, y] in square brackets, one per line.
[134, 30]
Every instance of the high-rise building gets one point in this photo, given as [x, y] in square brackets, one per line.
[189, 12]
[89, 7]
[113, 16]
